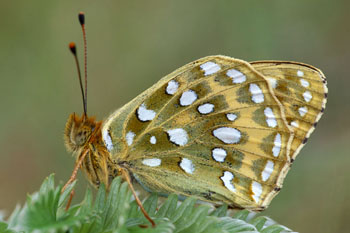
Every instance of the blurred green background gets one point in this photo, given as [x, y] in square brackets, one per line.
[131, 45]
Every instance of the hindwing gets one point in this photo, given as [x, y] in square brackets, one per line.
[302, 90]
[212, 129]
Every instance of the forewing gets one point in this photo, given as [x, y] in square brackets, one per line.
[302, 90]
[211, 129]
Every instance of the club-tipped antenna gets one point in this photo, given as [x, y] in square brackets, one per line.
[81, 18]
[73, 49]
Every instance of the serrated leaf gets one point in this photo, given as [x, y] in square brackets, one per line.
[183, 210]
[100, 198]
[236, 225]
[14, 217]
[161, 227]
[86, 204]
[220, 212]
[168, 206]
[243, 215]
[66, 193]
[259, 222]
[4, 228]
[275, 229]
[116, 213]
[194, 222]
[151, 203]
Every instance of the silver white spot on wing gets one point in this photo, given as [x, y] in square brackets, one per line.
[172, 87]
[130, 137]
[145, 114]
[294, 124]
[107, 140]
[152, 162]
[210, 68]
[307, 96]
[178, 136]
[206, 108]
[231, 116]
[237, 76]
[227, 135]
[257, 95]
[300, 73]
[302, 111]
[257, 191]
[219, 154]
[227, 179]
[277, 143]
[270, 117]
[266, 173]
[187, 166]
[304, 83]
[153, 140]
[272, 81]
[188, 97]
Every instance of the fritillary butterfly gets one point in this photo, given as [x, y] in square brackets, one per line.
[220, 129]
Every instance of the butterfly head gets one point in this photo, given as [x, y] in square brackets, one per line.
[79, 131]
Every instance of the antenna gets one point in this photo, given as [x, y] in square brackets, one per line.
[81, 18]
[73, 49]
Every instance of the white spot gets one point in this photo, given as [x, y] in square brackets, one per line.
[210, 68]
[300, 73]
[227, 135]
[152, 162]
[294, 124]
[277, 145]
[272, 81]
[304, 83]
[206, 108]
[172, 87]
[219, 154]
[302, 111]
[130, 137]
[257, 191]
[307, 96]
[231, 116]
[145, 114]
[257, 95]
[270, 117]
[237, 76]
[267, 170]
[187, 166]
[153, 140]
[107, 140]
[227, 179]
[178, 136]
[187, 98]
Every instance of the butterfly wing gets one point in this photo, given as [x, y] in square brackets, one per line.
[211, 129]
[302, 90]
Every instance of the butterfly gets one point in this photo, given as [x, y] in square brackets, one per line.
[220, 129]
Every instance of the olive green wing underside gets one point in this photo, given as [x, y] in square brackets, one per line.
[302, 90]
[212, 129]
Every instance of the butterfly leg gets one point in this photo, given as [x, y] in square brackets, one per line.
[74, 176]
[139, 203]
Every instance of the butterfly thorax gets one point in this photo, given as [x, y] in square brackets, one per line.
[83, 135]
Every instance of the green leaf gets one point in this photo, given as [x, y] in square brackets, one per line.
[114, 212]
[168, 207]
[259, 222]
[220, 212]
[4, 228]
[275, 229]
[243, 214]
[236, 225]
[150, 204]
